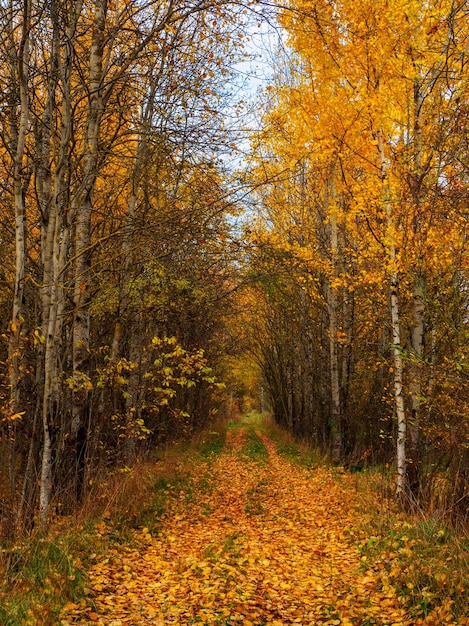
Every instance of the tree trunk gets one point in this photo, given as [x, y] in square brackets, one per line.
[19, 119]
[335, 409]
[415, 386]
[398, 369]
[82, 212]
[418, 325]
[19, 63]
[56, 238]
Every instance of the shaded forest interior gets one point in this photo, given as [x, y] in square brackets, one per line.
[152, 279]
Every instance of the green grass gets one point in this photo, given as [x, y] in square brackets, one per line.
[230, 547]
[42, 574]
[254, 448]
[234, 425]
[212, 444]
[422, 559]
[297, 452]
[254, 419]
[288, 450]
[163, 491]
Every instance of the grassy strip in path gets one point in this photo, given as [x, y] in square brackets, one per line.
[254, 448]
[290, 449]
[299, 454]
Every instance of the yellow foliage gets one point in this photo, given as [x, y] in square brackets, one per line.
[272, 543]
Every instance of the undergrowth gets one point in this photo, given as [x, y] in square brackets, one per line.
[212, 443]
[42, 574]
[298, 452]
[422, 559]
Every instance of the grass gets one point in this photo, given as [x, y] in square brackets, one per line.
[41, 574]
[300, 454]
[231, 547]
[297, 452]
[422, 559]
[162, 492]
[254, 448]
[212, 443]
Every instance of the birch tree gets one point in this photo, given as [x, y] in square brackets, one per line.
[100, 97]
[16, 30]
[389, 76]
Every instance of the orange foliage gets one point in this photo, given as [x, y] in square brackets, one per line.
[262, 544]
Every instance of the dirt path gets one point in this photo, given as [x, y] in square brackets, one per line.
[262, 543]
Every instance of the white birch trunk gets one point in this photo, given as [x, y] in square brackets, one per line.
[55, 246]
[82, 211]
[18, 125]
[418, 322]
[19, 63]
[335, 410]
[402, 486]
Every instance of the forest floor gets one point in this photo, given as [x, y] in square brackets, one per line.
[252, 537]
[251, 531]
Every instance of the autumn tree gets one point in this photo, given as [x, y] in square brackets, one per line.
[369, 115]
[116, 197]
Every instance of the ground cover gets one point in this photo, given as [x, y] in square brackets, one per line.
[249, 530]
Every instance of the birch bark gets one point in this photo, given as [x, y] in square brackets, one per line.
[56, 239]
[82, 212]
[398, 369]
[19, 64]
[18, 53]
[335, 420]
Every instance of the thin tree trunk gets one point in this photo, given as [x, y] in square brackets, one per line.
[82, 211]
[346, 344]
[289, 396]
[49, 219]
[26, 507]
[335, 410]
[56, 240]
[18, 128]
[19, 108]
[418, 325]
[402, 485]
[415, 386]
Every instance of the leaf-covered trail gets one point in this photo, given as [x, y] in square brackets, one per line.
[261, 543]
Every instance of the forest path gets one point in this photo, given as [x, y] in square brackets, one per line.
[251, 538]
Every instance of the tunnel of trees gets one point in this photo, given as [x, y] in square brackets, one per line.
[150, 280]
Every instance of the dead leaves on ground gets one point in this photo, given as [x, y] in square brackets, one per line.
[265, 544]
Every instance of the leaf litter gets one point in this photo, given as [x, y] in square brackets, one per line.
[264, 543]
